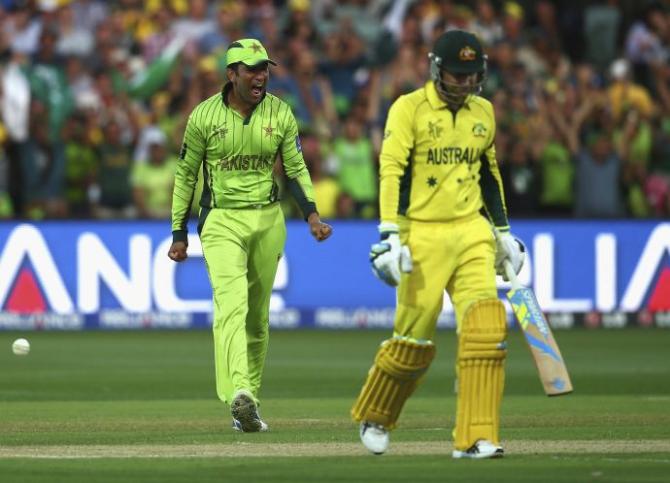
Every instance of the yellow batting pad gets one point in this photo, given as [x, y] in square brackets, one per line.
[481, 373]
[392, 379]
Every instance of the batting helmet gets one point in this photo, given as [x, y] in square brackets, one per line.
[457, 52]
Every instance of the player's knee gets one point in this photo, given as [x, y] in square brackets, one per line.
[256, 330]
[483, 331]
[405, 359]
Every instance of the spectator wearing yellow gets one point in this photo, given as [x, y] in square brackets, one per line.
[326, 188]
[624, 94]
[153, 181]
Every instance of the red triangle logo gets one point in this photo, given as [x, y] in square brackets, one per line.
[26, 296]
[660, 297]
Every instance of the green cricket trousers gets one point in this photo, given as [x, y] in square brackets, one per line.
[242, 248]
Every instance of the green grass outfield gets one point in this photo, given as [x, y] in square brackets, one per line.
[141, 406]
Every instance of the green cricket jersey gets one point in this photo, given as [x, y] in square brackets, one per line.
[237, 155]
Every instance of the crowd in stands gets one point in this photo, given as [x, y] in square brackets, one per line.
[95, 95]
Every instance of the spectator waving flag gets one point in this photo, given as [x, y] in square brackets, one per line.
[147, 81]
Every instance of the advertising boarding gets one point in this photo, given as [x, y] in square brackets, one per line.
[116, 275]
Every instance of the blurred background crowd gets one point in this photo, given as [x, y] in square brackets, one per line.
[95, 95]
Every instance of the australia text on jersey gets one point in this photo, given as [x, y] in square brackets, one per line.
[453, 155]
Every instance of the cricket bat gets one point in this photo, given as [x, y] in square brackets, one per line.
[550, 365]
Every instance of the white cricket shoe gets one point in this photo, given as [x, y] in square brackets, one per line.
[374, 437]
[237, 426]
[245, 413]
[482, 449]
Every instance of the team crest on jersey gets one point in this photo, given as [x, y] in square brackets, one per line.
[268, 131]
[435, 130]
[479, 130]
[467, 53]
[220, 131]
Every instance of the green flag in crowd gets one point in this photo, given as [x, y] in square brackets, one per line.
[149, 80]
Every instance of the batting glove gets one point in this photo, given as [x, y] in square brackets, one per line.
[508, 247]
[388, 257]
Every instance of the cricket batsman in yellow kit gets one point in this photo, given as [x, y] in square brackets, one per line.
[441, 202]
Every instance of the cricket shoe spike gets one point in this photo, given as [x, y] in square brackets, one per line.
[482, 449]
[374, 437]
[245, 414]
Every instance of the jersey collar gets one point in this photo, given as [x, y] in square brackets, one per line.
[436, 101]
[227, 87]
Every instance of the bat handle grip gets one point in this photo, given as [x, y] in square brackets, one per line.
[511, 275]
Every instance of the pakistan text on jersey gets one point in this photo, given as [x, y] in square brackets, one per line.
[246, 162]
[453, 155]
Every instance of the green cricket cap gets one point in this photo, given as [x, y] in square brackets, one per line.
[248, 51]
[459, 52]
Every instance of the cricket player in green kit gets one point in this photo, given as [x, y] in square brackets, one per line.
[236, 136]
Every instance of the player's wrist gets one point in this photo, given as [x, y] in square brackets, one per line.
[313, 217]
[180, 236]
[387, 229]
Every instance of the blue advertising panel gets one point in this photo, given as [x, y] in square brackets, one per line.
[73, 274]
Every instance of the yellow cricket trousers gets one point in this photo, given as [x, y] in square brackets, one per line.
[457, 256]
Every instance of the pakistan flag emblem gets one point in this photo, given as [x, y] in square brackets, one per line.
[221, 131]
[479, 130]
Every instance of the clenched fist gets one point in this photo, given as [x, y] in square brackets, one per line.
[319, 230]
[177, 251]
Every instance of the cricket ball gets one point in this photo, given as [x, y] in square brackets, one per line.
[21, 347]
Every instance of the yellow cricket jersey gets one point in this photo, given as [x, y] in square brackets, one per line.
[439, 166]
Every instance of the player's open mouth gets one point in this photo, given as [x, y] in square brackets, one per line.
[257, 91]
